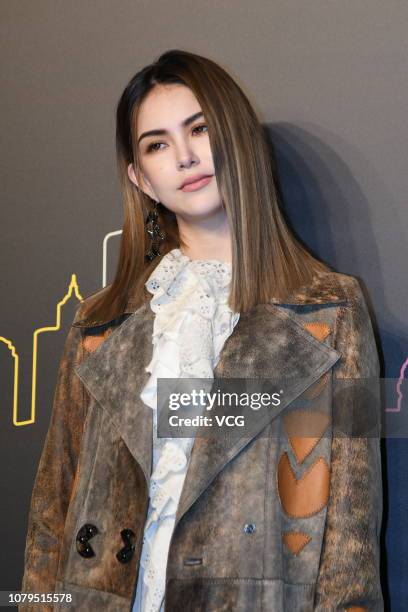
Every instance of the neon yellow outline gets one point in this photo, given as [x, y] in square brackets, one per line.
[73, 287]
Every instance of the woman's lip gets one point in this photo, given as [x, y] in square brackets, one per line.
[197, 185]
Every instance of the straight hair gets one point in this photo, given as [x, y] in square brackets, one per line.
[268, 262]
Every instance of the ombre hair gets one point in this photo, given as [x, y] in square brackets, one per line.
[268, 262]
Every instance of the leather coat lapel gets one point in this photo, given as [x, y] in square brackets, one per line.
[115, 375]
[267, 342]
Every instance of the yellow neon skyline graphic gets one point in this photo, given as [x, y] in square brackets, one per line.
[73, 288]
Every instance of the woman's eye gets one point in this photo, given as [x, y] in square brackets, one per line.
[203, 125]
[153, 145]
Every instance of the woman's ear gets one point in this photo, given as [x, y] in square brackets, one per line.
[144, 184]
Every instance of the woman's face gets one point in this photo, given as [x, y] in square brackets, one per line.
[180, 151]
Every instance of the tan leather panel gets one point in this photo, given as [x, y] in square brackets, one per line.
[304, 429]
[295, 540]
[91, 343]
[318, 329]
[306, 495]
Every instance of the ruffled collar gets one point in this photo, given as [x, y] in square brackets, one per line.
[190, 286]
[166, 276]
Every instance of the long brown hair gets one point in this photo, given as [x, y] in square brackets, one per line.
[267, 260]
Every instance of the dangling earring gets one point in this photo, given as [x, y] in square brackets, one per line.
[156, 234]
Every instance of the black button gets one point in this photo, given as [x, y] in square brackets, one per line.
[126, 553]
[86, 532]
[128, 536]
[249, 527]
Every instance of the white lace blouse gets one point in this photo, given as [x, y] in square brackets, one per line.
[192, 322]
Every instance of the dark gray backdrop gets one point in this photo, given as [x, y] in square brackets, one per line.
[328, 78]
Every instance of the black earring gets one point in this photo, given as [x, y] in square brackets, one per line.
[155, 233]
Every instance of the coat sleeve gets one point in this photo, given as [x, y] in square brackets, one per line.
[55, 475]
[348, 577]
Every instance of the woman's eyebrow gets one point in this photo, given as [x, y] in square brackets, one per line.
[161, 132]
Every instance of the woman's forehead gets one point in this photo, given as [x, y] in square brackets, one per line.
[166, 107]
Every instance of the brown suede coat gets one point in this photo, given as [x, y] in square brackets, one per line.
[265, 522]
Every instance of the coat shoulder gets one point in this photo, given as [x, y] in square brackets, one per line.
[327, 287]
[349, 286]
[92, 333]
[86, 303]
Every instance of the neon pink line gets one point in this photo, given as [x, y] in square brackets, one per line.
[399, 392]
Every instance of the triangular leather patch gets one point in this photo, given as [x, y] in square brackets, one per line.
[314, 390]
[318, 329]
[304, 429]
[295, 540]
[93, 341]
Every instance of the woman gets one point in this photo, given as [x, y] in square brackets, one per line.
[210, 284]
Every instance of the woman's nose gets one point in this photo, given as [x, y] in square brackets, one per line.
[186, 156]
